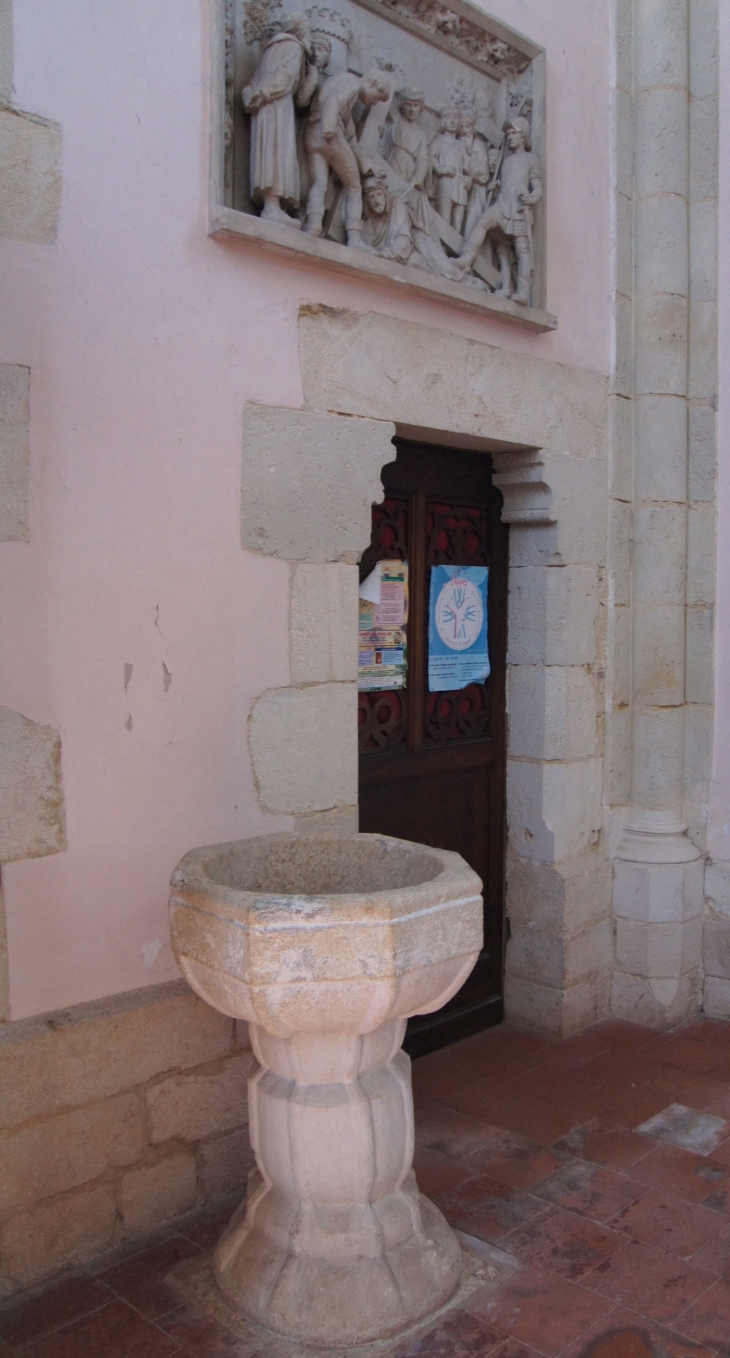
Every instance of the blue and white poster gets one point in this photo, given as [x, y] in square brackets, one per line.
[458, 654]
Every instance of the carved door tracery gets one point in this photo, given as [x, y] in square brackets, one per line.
[432, 765]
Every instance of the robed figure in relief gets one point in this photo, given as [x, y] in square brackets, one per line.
[270, 101]
[409, 157]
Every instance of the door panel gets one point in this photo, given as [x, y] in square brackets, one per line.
[432, 765]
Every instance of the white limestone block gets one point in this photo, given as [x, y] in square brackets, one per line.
[661, 141]
[14, 452]
[623, 115]
[716, 999]
[553, 810]
[704, 142]
[323, 627]
[701, 555]
[658, 893]
[658, 1002]
[623, 29]
[703, 372]
[623, 241]
[662, 258]
[552, 615]
[704, 49]
[617, 757]
[304, 748]
[577, 502]
[661, 433]
[661, 328]
[661, 43]
[659, 734]
[32, 817]
[30, 177]
[716, 947]
[659, 657]
[700, 678]
[703, 225]
[552, 712]
[622, 377]
[698, 741]
[562, 898]
[330, 466]
[702, 451]
[717, 887]
[618, 662]
[656, 950]
[560, 960]
[660, 553]
[384, 368]
[620, 466]
[556, 1012]
[619, 552]
[342, 820]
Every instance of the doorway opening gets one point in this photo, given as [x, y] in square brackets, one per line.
[432, 764]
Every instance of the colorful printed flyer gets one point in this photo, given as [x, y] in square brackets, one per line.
[458, 653]
[383, 618]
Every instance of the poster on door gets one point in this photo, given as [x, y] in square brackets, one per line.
[458, 654]
[383, 619]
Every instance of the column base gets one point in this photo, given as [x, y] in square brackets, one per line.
[658, 919]
[338, 1275]
[659, 1002]
[656, 837]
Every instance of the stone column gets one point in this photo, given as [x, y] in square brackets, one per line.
[658, 878]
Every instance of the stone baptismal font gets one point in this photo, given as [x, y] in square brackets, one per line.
[326, 944]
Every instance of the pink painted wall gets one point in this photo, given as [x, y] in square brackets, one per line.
[719, 818]
[145, 339]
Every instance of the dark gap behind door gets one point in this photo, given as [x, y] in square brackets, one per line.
[433, 766]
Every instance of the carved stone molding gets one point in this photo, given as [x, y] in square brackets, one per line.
[482, 42]
[527, 495]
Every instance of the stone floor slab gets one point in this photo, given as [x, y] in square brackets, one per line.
[680, 1126]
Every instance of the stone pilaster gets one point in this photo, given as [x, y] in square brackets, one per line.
[658, 875]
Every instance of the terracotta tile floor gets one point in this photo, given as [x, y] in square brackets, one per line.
[607, 1241]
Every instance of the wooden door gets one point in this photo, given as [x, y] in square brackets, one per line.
[433, 765]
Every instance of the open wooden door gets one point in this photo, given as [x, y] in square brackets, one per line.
[433, 765]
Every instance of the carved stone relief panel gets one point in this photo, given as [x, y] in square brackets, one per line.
[401, 131]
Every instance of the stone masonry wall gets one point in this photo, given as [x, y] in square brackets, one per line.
[545, 424]
[114, 1117]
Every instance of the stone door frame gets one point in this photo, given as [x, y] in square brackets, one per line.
[310, 476]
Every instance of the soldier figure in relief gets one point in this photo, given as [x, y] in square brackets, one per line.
[479, 173]
[330, 141]
[449, 169]
[270, 101]
[509, 219]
